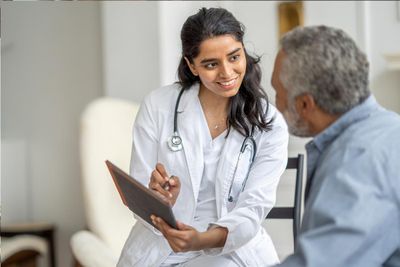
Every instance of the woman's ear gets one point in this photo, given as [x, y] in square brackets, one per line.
[191, 67]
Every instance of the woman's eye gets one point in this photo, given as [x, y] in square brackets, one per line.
[210, 65]
[235, 57]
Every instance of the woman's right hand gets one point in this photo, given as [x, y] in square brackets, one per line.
[167, 187]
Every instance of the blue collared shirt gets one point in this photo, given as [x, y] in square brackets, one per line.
[352, 215]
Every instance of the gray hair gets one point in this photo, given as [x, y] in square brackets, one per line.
[327, 64]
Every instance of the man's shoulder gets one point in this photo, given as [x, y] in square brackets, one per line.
[375, 132]
[366, 146]
[373, 139]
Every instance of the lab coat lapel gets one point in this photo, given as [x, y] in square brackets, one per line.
[188, 127]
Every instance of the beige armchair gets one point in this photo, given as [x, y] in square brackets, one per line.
[106, 127]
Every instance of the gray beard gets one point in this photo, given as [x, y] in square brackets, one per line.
[296, 125]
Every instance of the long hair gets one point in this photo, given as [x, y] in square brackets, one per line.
[249, 106]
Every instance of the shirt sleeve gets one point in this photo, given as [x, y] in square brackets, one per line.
[351, 218]
[258, 196]
[144, 149]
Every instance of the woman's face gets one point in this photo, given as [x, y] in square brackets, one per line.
[220, 65]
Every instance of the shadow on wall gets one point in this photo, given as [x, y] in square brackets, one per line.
[386, 88]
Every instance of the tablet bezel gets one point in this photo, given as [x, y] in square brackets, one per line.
[154, 203]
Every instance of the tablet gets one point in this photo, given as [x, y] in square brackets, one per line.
[139, 199]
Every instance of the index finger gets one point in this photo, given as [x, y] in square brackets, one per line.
[160, 168]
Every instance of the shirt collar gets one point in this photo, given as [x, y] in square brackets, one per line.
[359, 112]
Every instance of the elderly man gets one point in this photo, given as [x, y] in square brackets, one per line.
[352, 207]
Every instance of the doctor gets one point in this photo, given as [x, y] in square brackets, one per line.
[214, 148]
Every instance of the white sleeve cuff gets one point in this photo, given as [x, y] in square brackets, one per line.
[148, 226]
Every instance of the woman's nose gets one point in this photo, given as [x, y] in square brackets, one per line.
[226, 70]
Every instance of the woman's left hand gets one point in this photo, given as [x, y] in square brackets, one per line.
[187, 238]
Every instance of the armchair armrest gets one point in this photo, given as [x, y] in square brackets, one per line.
[13, 245]
[90, 251]
[31, 230]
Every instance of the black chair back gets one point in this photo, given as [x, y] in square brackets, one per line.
[293, 212]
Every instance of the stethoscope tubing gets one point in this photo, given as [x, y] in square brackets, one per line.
[176, 110]
[242, 151]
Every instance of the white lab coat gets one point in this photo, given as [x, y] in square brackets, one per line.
[145, 246]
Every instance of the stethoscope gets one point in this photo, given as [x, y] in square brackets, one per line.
[175, 144]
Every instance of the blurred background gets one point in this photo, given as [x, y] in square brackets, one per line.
[56, 57]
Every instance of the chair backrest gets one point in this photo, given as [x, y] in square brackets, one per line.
[293, 212]
[106, 133]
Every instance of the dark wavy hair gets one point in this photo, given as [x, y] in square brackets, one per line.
[247, 109]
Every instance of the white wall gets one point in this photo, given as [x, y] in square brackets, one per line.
[384, 32]
[130, 43]
[51, 68]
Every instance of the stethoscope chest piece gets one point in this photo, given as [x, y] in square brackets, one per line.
[175, 142]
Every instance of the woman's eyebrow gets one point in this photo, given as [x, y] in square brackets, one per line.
[208, 60]
[234, 51]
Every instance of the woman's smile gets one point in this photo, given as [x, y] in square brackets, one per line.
[228, 84]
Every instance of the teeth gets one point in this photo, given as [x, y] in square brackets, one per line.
[228, 83]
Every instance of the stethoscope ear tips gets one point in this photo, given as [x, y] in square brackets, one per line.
[230, 199]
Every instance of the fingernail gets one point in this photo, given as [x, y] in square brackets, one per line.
[170, 195]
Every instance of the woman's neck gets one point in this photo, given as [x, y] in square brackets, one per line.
[215, 109]
[213, 103]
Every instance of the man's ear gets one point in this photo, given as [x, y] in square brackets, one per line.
[305, 105]
[191, 67]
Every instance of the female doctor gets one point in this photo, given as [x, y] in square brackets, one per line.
[214, 148]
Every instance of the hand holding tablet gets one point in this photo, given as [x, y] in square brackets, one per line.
[139, 199]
